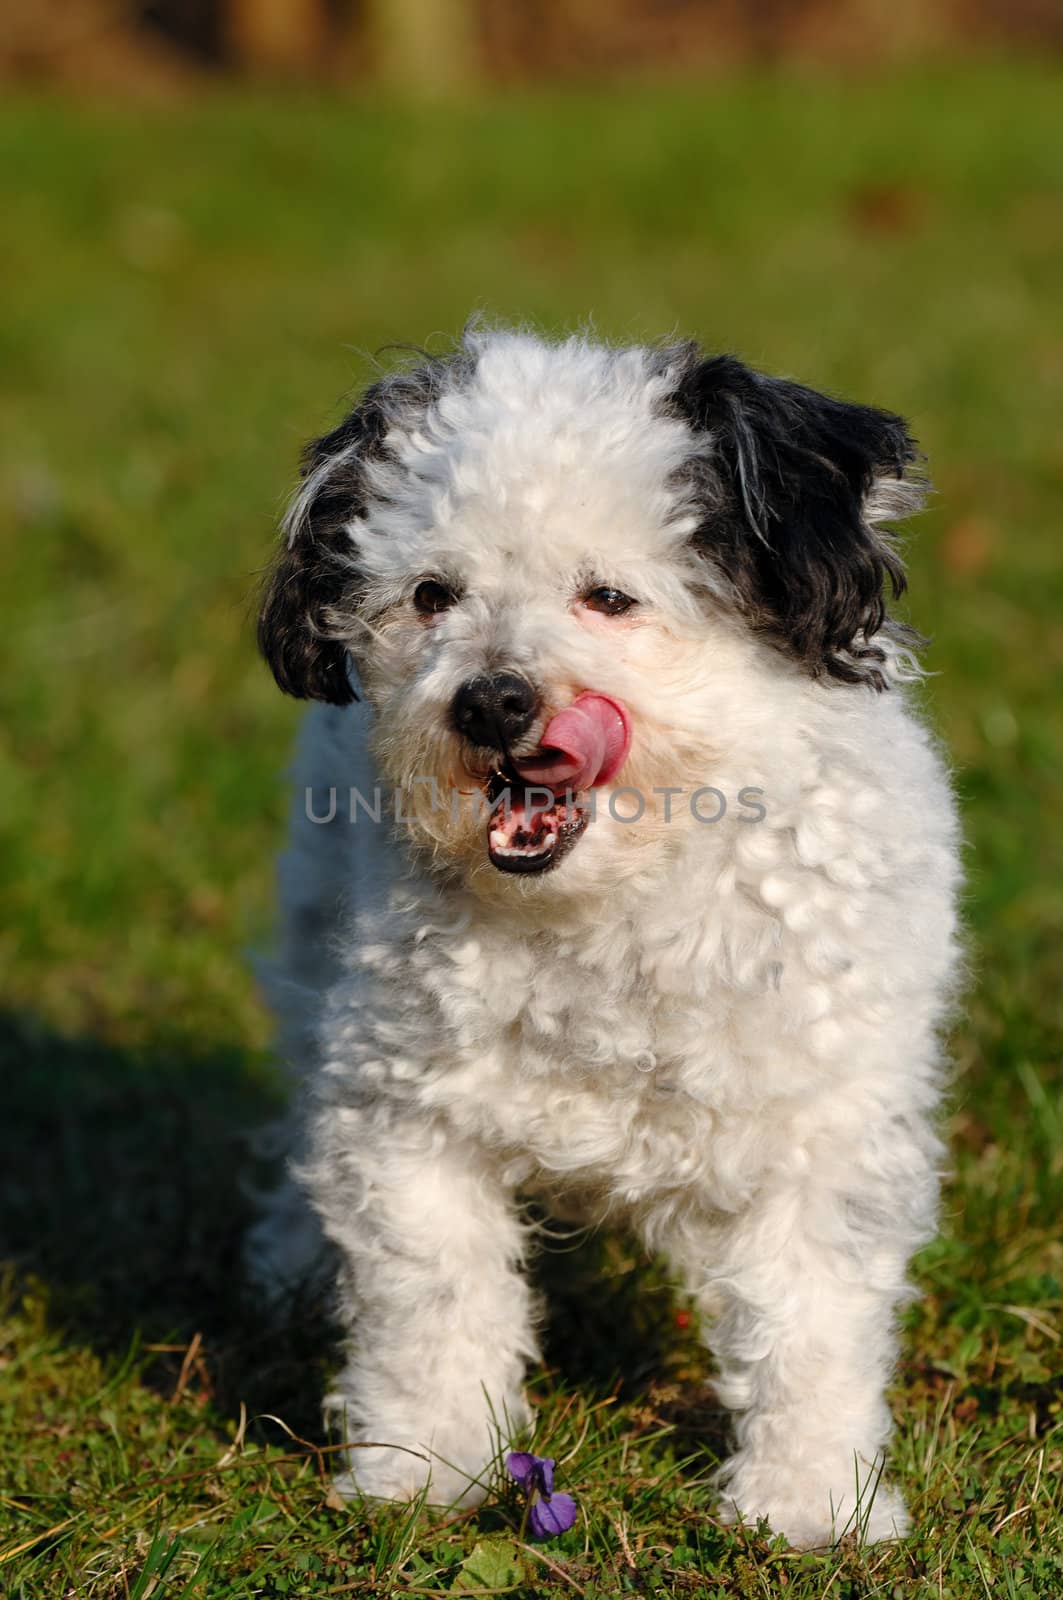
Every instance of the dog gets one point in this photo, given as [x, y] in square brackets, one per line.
[622, 875]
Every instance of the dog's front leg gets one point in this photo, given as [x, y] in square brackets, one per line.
[439, 1315]
[805, 1343]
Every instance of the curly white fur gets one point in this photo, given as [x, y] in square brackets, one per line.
[725, 1033]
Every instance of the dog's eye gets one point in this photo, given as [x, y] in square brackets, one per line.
[610, 602]
[432, 596]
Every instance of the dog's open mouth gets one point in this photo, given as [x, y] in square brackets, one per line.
[530, 828]
[539, 802]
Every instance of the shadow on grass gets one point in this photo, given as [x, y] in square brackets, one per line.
[615, 1327]
[611, 1313]
[123, 1190]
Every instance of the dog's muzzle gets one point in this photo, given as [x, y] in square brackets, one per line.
[538, 801]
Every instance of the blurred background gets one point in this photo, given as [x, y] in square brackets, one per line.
[212, 212]
[432, 46]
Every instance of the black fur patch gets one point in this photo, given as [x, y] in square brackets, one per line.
[312, 577]
[783, 484]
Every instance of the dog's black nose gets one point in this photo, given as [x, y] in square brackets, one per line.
[495, 711]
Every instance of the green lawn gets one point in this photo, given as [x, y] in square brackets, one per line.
[187, 293]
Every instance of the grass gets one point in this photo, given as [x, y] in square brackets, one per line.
[188, 290]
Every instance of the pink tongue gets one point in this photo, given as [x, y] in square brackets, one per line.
[584, 745]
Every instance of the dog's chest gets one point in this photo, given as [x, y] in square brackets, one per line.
[622, 1057]
[582, 1069]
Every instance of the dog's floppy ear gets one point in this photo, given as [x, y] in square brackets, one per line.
[313, 573]
[804, 479]
[314, 577]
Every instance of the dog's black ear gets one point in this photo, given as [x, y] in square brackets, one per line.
[314, 578]
[804, 478]
[313, 573]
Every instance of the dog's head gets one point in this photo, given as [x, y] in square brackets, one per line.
[555, 568]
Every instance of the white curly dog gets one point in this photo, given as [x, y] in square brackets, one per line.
[622, 875]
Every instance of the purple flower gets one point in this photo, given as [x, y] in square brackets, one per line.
[548, 1513]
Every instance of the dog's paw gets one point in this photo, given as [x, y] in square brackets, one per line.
[393, 1472]
[809, 1511]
